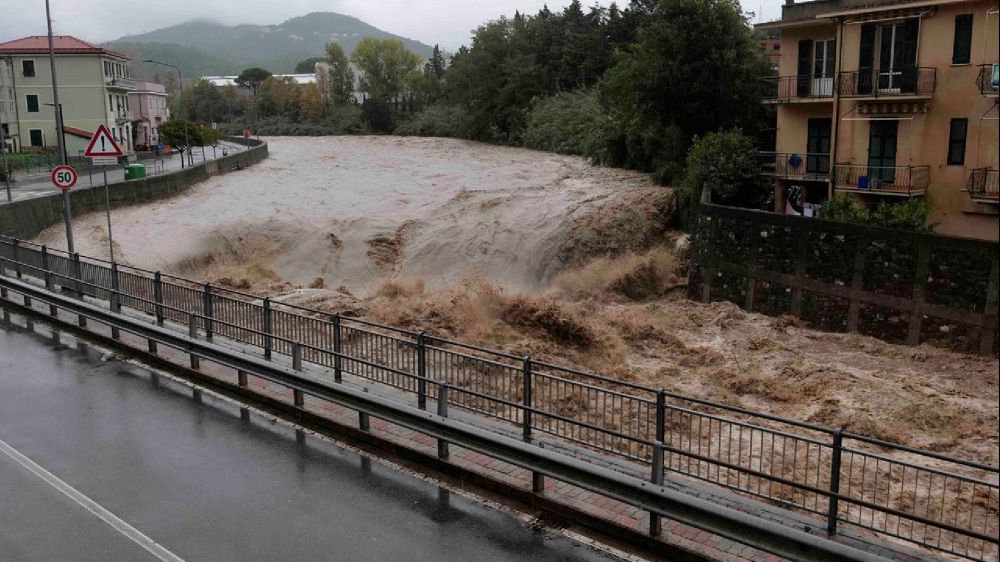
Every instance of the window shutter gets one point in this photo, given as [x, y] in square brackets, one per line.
[805, 60]
[962, 50]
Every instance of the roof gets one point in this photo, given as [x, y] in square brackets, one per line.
[300, 79]
[77, 132]
[61, 44]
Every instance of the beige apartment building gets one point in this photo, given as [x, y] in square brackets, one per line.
[887, 100]
[94, 84]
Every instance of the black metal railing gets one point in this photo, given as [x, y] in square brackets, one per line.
[795, 165]
[887, 83]
[799, 87]
[930, 499]
[892, 180]
[983, 184]
[988, 79]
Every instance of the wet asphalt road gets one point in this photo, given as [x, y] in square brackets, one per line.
[207, 481]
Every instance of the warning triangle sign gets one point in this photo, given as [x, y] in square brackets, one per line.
[103, 144]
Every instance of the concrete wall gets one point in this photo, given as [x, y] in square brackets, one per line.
[28, 218]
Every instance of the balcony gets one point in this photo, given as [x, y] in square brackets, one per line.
[120, 83]
[803, 88]
[874, 84]
[982, 185]
[787, 165]
[902, 181]
[988, 79]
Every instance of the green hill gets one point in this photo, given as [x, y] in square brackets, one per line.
[205, 47]
[193, 63]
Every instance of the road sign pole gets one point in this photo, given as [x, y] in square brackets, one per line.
[107, 203]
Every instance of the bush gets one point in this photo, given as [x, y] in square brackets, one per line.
[435, 121]
[181, 133]
[377, 115]
[726, 163]
[567, 123]
[339, 120]
[911, 214]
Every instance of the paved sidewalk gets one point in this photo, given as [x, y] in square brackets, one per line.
[676, 534]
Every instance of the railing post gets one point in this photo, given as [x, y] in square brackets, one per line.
[158, 296]
[77, 275]
[526, 413]
[834, 501]
[45, 268]
[297, 396]
[17, 259]
[193, 334]
[442, 410]
[241, 378]
[266, 328]
[656, 477]
[208, 311]
[114, 299]
[422, 371]
[661, 415]
[337, 363]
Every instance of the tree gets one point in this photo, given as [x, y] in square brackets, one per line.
[384, 66]
[172, 133]
[311, 104]
[308, 66]
[726, 163]
[280, 96]
[435, 66]
[340, 88]
[252, 79]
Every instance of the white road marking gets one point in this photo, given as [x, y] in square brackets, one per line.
[90, 505]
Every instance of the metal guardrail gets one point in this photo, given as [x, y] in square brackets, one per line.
[878, 83]
[814, 166]
[799, 87]
[988, 79]
[930, 499]
[983, 184]
[892, 180]
[759, 533]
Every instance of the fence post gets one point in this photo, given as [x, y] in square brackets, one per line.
[337, 364]
[45, 268]
[193, 333]
[115, 299]
[158, 296]
[208, 311]
[751, 283]
[801, 255]
[297, 395]
[241, 378]
[17, 259]
[442, 411]
[661, 415]
[266, 328]
[709, 258]
[990, 311]
[81, 320]
[834, 501]
[526, 413]
[656, 477]
[422, 371]
[919, 293]
[857, 283]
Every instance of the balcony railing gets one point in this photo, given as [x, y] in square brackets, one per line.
[802, 87]
[121, 83]
[795, 166]
[906, 181]
[887, 83]
[983, 184]
[988, 79]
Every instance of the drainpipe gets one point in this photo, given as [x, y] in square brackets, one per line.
[835, 140]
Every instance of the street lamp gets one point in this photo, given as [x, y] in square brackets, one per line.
[180, 80]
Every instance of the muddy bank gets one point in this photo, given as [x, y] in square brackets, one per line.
[354, 210]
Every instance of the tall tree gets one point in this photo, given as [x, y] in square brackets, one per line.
[384, 65]
[252, 79]
[340, 87]
[308, 66]
[435, 65]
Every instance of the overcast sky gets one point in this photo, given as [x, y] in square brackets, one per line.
[447, 22]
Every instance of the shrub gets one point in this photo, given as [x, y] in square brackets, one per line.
[726, 163]
[567, 123]
[435, 121]
[905, 215]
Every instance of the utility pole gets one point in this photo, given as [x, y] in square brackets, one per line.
[60, 139]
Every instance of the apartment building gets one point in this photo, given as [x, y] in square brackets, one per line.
[887, 100]
[94, 83]
[149, 107]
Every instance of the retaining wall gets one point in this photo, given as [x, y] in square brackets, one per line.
[27, 218]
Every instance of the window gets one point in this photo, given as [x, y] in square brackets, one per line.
[28, 68]
[31, 101]
[35, 137]
[111, 103]
[962, 51]
[956, 141]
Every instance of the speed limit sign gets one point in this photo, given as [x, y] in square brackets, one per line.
[64, 177]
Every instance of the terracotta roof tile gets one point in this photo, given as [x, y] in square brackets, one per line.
[62, 44]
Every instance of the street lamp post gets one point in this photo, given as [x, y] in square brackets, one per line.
[180, 81]
[60, 140]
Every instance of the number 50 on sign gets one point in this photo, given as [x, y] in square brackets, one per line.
[64, 177]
